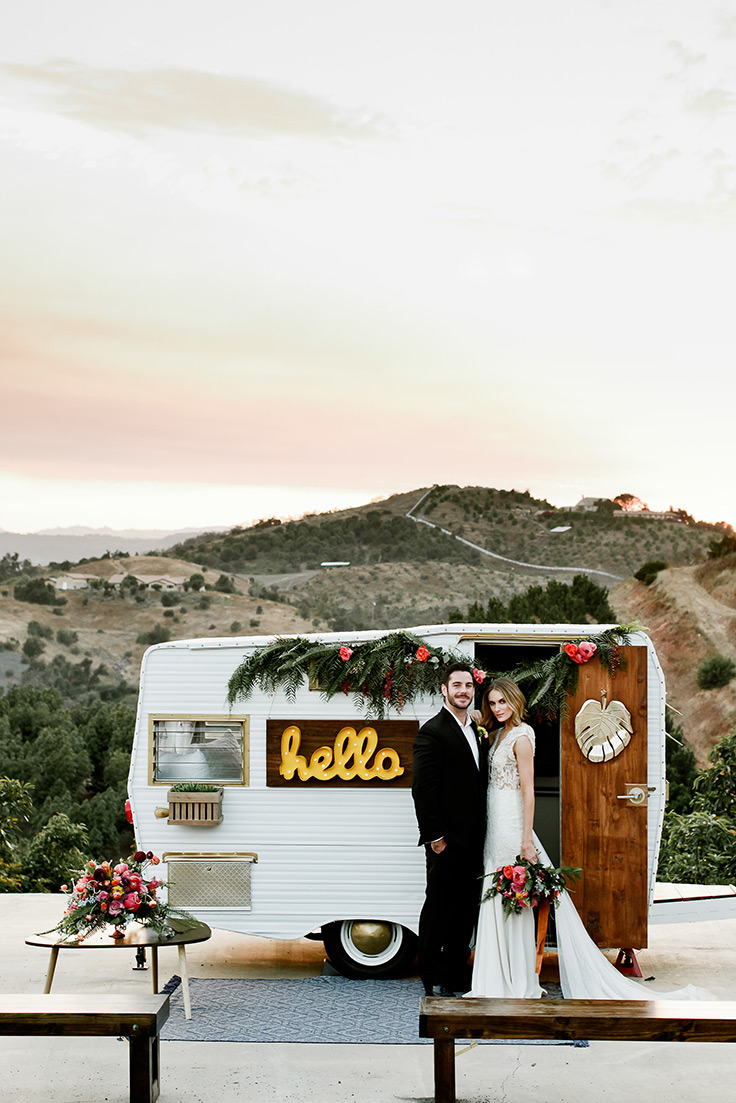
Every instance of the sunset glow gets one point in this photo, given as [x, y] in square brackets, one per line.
[268, 259]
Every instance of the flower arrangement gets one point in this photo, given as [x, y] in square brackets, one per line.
[524, 884]
[115, 894]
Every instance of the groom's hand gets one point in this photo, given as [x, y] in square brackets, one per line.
[438, 845]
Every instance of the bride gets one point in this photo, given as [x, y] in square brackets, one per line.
[505, 948]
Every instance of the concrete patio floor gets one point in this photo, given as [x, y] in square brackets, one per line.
[79, 1070]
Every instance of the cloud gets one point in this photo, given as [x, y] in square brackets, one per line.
[712, 104]
[184, 100]
[683, 56]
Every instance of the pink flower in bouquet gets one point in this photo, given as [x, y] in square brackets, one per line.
[115, 908]
[345, 653]
[64, 888]
[81, 885]
[134, 882]
[154, 860]
[103, 895]
[122, 868]
[520, 873]
[422, 654]
[586, 650]
[132, 901]
[153, 884]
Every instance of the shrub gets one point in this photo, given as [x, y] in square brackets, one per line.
[204, 602]
[43, 631]
[725, 546]
[235, 627]
[168, 612]
[254, 623]
[37, 592]
[67, 637]
[715, 672]
[169, 600]
[33, 647]
[225, 585]
[649, 571]
[158, 634]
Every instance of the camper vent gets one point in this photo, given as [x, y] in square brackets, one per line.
[209, 883]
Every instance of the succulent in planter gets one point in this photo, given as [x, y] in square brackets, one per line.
[193, 804]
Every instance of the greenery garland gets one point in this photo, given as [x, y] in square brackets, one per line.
[388, 672]
[556, 677]
[381, 674]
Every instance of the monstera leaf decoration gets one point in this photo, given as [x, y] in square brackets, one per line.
[603, 730]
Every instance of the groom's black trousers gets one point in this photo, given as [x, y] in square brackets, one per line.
[449, 915]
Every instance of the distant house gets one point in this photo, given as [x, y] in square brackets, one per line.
[151, 581]
[72, 581]
[336, 563]
[586, 505]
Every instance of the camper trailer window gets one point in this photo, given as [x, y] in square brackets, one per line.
[199, 749]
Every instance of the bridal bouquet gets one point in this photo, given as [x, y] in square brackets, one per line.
[115, 894]
[525, 884]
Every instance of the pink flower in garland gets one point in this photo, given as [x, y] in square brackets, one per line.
[479, 675]
[586, 650]
[345, 653]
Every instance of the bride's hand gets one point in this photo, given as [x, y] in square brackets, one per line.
[529, 851]
[476, 715]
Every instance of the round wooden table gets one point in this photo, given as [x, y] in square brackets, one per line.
[135, 937]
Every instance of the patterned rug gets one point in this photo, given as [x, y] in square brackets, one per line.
[323, 1010]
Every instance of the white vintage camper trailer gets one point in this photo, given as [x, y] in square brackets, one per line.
[305, 833]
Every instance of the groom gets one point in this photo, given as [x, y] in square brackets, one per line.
[449, 782]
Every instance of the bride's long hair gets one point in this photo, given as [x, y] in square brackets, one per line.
[514, 698]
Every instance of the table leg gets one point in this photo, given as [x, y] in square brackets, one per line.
[444, 1070]
[185, 981]
[51, 969]
[154, 968]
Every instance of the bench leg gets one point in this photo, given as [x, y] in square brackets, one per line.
[144, 1069]
[444, 1070]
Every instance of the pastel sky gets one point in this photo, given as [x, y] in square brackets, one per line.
[265, 257]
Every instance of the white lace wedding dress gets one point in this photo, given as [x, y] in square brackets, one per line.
[505, 948]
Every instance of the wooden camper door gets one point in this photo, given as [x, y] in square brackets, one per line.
[605, 836]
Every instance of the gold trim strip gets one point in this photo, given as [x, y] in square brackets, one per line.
[246, 856]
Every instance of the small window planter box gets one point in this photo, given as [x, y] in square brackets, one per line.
[195, 807]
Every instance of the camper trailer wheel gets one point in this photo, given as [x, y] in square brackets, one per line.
[369, 947]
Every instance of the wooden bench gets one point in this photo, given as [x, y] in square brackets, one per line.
[137, 1018]
[444, 1020]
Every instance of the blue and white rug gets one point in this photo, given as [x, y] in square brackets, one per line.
[322, 1010]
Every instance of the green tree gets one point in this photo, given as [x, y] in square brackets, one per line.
[681, 767]
[15, 807]
[715, 787]
[54, 855]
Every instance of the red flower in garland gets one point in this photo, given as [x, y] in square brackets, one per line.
[422, 654]
[345, 653]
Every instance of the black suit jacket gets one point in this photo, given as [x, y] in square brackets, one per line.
[449, 790]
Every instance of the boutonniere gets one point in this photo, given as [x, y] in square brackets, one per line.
[481, 731]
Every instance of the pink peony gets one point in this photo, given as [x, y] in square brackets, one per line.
[479, 675]
[519, 873]
[115, 908]
[132, 901]
[586, 650]
[345, 653]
